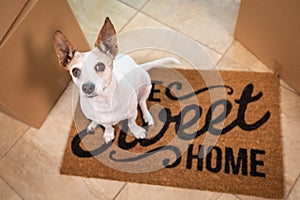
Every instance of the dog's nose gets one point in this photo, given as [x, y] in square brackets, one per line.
[88, 88]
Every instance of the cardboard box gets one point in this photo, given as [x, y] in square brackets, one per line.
[31, 78]
[270, 29]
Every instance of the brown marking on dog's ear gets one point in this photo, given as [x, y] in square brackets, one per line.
[63, 48]
[107, 39]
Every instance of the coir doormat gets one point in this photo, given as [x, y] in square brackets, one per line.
[217, 131]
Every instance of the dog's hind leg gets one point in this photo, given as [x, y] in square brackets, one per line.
[142, 102]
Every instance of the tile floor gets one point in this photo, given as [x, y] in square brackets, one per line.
[30, 158]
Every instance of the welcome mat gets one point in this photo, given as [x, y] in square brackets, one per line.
[217, 131]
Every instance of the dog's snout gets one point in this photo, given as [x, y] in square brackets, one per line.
[88, 88]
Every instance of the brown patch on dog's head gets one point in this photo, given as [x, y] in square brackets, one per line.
[107, 39]
[63, 48]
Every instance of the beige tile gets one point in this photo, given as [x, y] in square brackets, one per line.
[143, 21]
[136, 30]
[11, 131]
[210, 22]
[287, 86]
[53, 134]
[244, 197]
[243, 56]
[290, 109]
[214, 56]
[135, 3]
[289, 182]
[32, 166]
[295, 194]
[238, 58]
[228, 64]
[6, 192]
[227, 197]
[134, 191]
[91, 14]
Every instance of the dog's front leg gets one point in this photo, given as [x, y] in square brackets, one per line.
[136, 130]
[109, 133]
[92, 126]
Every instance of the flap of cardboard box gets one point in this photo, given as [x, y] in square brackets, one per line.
[9, 12]
[32, 79]
[270, 29]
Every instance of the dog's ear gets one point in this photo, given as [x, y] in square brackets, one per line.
[63, 48]
[107, 39]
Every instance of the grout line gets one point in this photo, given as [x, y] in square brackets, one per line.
[236, 196]
[127, 4]
[201, 43]
[119, 192]
[130, 19]
[289, 89]
[135, 14]
[12, 188]
[290, 191]
[224, 54]
[19, 138]
[144, 5]
[169, 26]
[246, 66]
[138, 9]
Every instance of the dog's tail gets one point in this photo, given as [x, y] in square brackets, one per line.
[163, 61]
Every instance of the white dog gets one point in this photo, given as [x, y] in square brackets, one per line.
[111, 86]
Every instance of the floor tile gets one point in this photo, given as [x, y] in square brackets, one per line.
[227, 197]
[241, 59]
[290, 109]
[227, 64]
[53, 134]
[11, 131]
[243, 56]
[91, 14]
[134, 191]
[7, 192]
[214, 56]
[209, 22]
[135, 3]
[244, 197]
[134, 31]
[295, 194]
[287, 86]
[32, 166]
[142, 21]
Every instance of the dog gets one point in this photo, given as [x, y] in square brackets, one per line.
[111, 85]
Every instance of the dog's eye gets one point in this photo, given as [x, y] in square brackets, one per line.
[99, 67]
[76, 72]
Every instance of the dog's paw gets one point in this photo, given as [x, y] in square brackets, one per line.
[148, 119]
[138, 132]
[92, 127]
[108, 137]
